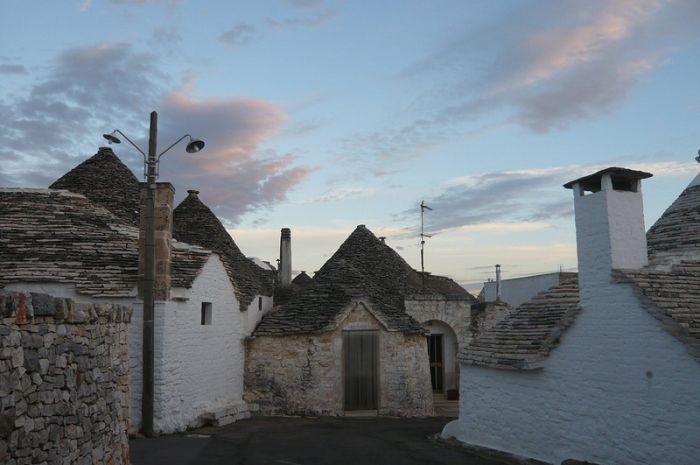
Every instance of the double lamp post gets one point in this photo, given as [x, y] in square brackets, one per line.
[148, 281]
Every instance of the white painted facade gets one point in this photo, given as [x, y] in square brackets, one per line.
[515, 291]
[618, 389]
[199, 368]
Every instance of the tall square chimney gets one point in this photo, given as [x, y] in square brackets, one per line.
[610, 232]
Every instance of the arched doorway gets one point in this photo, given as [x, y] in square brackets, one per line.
[442, 353]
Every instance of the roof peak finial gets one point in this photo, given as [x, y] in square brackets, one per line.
[192, 192]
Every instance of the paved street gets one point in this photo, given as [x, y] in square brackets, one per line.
[307, 441]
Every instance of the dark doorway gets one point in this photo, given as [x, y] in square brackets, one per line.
[360, 353]
[435, 356]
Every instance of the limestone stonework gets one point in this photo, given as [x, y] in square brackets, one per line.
[64, 384]
[436, 307]
[302, 374]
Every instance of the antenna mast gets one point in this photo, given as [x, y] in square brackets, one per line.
[423, 207]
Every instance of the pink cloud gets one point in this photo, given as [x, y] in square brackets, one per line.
[233, 173]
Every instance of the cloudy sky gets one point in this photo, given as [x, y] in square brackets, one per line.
[320, 115]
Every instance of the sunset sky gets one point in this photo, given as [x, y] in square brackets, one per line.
[322, 115]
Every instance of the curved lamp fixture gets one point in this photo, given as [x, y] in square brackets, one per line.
[194, 146]
[111, 138]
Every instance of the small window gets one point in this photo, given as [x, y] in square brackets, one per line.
[259, 303]
[206, 313]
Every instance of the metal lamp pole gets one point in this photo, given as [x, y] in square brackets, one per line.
[148, 281]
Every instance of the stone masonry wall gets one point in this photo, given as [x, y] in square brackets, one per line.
[455, 313]
[303, 374]
[64, 388]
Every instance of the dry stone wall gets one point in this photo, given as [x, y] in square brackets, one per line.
[64, 388]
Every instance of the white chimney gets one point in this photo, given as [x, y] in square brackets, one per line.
[610, 232]
[285, 267]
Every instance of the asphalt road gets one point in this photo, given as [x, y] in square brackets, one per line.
[307, 441]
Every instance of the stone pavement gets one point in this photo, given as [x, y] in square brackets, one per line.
[307, 441]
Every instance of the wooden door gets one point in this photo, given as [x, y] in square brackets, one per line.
[435, 354]
[361, 360]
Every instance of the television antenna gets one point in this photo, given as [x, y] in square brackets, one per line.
[423, 208]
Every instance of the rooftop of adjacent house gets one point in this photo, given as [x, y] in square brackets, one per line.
[195, 223]
[676, 234]
[302, 279]
[56, 236]
[363, 268]
[526, 336]
[106, 181]
[669, 289]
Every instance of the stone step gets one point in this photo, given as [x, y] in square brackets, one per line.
[225, 415]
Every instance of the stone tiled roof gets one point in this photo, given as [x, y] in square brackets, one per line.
[55, 236]
[187, 262]
[195, 223]
[673, 297]
[363, 268]
[107, 182]
[677, 232]
[525, 337]
[302, 279]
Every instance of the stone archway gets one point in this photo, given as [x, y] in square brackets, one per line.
[443, 348]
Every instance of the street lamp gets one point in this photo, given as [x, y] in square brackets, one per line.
[151, 162]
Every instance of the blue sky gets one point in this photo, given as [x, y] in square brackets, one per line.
[320, 115]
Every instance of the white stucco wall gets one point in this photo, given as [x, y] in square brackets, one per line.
[516, 291]
[618, 390]
[254, 314]
[198, 368]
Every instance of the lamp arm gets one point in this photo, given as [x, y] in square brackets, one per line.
[173, 145]
[145, 157]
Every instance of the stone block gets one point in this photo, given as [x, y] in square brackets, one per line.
[7, 423]
[43, 304]
[7, 305]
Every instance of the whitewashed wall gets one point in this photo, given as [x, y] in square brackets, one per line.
[619, 390]
[198, 368]
[516, 291]
[201, 366]
[255, 314]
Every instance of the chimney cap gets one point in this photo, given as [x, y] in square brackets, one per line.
[192, 192]
[592, 181]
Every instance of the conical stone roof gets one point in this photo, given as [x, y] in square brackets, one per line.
[107, 182]
[362, 268]
[676, 234]
[195, 223]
